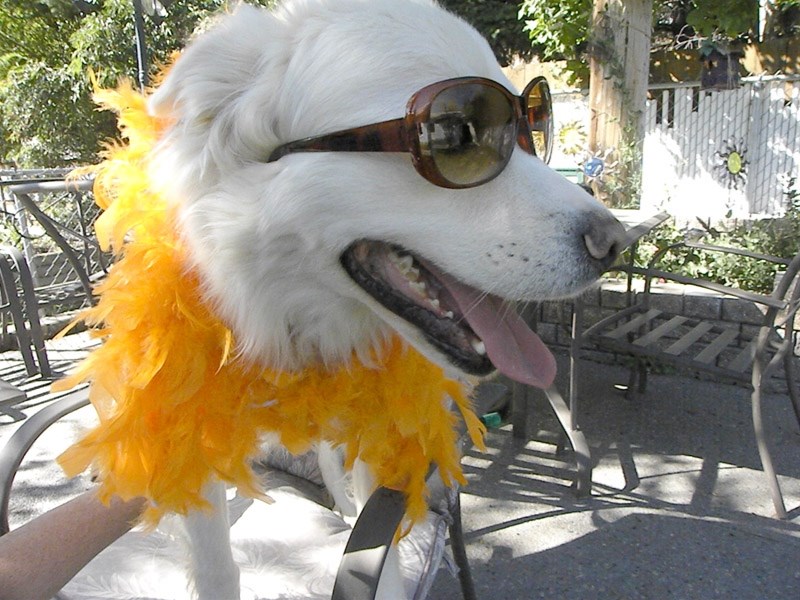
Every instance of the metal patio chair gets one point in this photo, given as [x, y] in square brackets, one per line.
[60, 261]
[19, 301]
[651, 332]
[55, 220]
[352, 556]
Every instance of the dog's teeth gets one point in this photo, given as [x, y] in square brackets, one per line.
[479, 347]
[435, 303]
[419, 287]
[449, 314]
[405, 263]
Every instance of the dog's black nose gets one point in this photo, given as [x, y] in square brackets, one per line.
[604, 238]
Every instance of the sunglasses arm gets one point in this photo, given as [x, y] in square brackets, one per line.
[387, 136]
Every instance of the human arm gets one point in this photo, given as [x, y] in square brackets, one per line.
[40, 557]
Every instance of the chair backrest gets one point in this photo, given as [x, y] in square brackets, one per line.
[55, 224]
[787, 289]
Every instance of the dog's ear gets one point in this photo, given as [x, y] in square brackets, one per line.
[215, 68]
[217, 93]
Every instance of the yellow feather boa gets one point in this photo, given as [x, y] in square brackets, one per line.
[176, 407]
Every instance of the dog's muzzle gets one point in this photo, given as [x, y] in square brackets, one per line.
[476, 331]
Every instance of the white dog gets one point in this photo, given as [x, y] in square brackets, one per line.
[313, 251]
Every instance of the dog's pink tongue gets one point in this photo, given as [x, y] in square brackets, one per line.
[513, 348]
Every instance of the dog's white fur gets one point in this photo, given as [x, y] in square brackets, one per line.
[267, 237]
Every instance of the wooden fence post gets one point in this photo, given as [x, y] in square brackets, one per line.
[619, 50]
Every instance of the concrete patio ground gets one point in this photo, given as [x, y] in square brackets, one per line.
[679, 507]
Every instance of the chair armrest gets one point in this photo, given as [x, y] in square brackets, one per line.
[762, 299]
[53, 185]
[718, 249]
[737, 251]
[775, 300]
[369, 543]
[638, 231]
[13, 453]
[374, 532]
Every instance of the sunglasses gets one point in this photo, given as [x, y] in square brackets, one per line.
[460, 132]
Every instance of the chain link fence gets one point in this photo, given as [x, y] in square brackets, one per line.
[733, 153]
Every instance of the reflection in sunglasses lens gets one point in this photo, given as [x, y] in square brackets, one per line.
[470, 133]
[540, 120]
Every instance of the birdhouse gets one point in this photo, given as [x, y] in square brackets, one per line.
[720, 69]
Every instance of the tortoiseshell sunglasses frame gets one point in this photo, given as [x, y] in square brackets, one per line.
[399, 135]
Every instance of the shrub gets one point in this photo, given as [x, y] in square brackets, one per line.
[777, 237]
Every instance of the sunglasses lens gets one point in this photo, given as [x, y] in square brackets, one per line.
[540, 119]
[470, 133]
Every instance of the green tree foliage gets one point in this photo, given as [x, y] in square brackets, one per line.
[32, 38]
[785, 18]
[48, 47]
[498, 21]
[727, 18]
[561, 27]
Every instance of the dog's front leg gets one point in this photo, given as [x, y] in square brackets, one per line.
[216, 576]
[331, 467]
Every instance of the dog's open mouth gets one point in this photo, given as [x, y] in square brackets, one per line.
[477, 331]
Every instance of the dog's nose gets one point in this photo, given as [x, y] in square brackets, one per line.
[604, 238]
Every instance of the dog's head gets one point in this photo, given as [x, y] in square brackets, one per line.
[316, 255]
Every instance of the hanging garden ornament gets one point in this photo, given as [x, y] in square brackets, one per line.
[720, 67]
[730, 163]
[572, 138]
[598, 166]
[594, 167]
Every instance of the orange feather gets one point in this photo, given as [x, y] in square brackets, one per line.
[177, 407]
